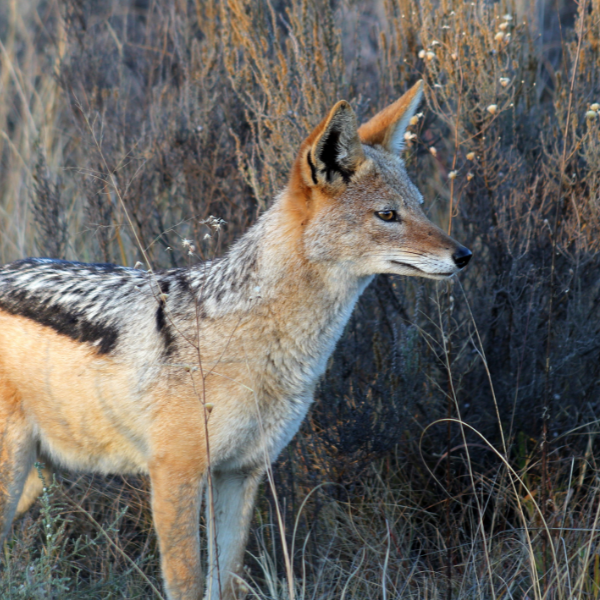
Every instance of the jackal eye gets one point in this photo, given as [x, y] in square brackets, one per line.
[387, 215]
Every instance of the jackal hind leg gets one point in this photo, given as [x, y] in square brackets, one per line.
[234, 494]
[34, 484]
[176, 499]
[17, 453]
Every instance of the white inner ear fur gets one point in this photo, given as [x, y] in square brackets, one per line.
[396, 139]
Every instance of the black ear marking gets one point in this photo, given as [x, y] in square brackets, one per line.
[336, 152]
[313, 170]
[329, 156]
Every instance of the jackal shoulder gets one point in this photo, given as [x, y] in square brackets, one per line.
[93, 303]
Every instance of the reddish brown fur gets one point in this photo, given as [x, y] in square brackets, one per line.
[378, 130]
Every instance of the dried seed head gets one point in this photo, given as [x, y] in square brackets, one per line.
[499, 36]
[503, 26]
[433, 151]
[408, 136]
[492, 108]
[429, 55]
[209, 407]
[595, 107]
[507, 17]
[452, 174]
[414, 120]
[471, 156]
[470, 176]
[590, 115]
[504, 81]
[214, 222]
[421, 53]
[454, 56]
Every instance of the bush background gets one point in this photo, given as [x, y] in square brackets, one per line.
[130, 123]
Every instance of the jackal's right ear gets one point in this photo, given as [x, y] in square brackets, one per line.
[332, 152]
[387, 127]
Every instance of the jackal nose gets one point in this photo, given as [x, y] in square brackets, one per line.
[461, 257]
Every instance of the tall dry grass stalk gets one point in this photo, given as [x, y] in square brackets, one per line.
[451, 453]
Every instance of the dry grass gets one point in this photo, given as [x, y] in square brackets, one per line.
[451, 454]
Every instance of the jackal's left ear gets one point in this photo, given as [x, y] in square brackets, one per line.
[387, 127]
[334, 148]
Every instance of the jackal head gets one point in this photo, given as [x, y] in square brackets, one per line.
[356, 204]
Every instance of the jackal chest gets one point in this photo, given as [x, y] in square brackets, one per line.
[256, 432]
[260, 376]
[258, 408]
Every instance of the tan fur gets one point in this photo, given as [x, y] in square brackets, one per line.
[255, 355]
[34, 485]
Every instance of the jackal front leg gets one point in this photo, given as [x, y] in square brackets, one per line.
[233, 495]
[176, 499]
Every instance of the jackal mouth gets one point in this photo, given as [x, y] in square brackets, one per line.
[421, 272]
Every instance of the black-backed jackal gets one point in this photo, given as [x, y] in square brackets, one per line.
[117, 370]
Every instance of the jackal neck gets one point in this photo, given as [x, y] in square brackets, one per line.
[265, 276]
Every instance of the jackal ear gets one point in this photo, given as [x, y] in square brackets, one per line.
[334, 148]
[387, 127]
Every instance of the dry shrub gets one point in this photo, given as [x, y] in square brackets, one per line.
[125, 125]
